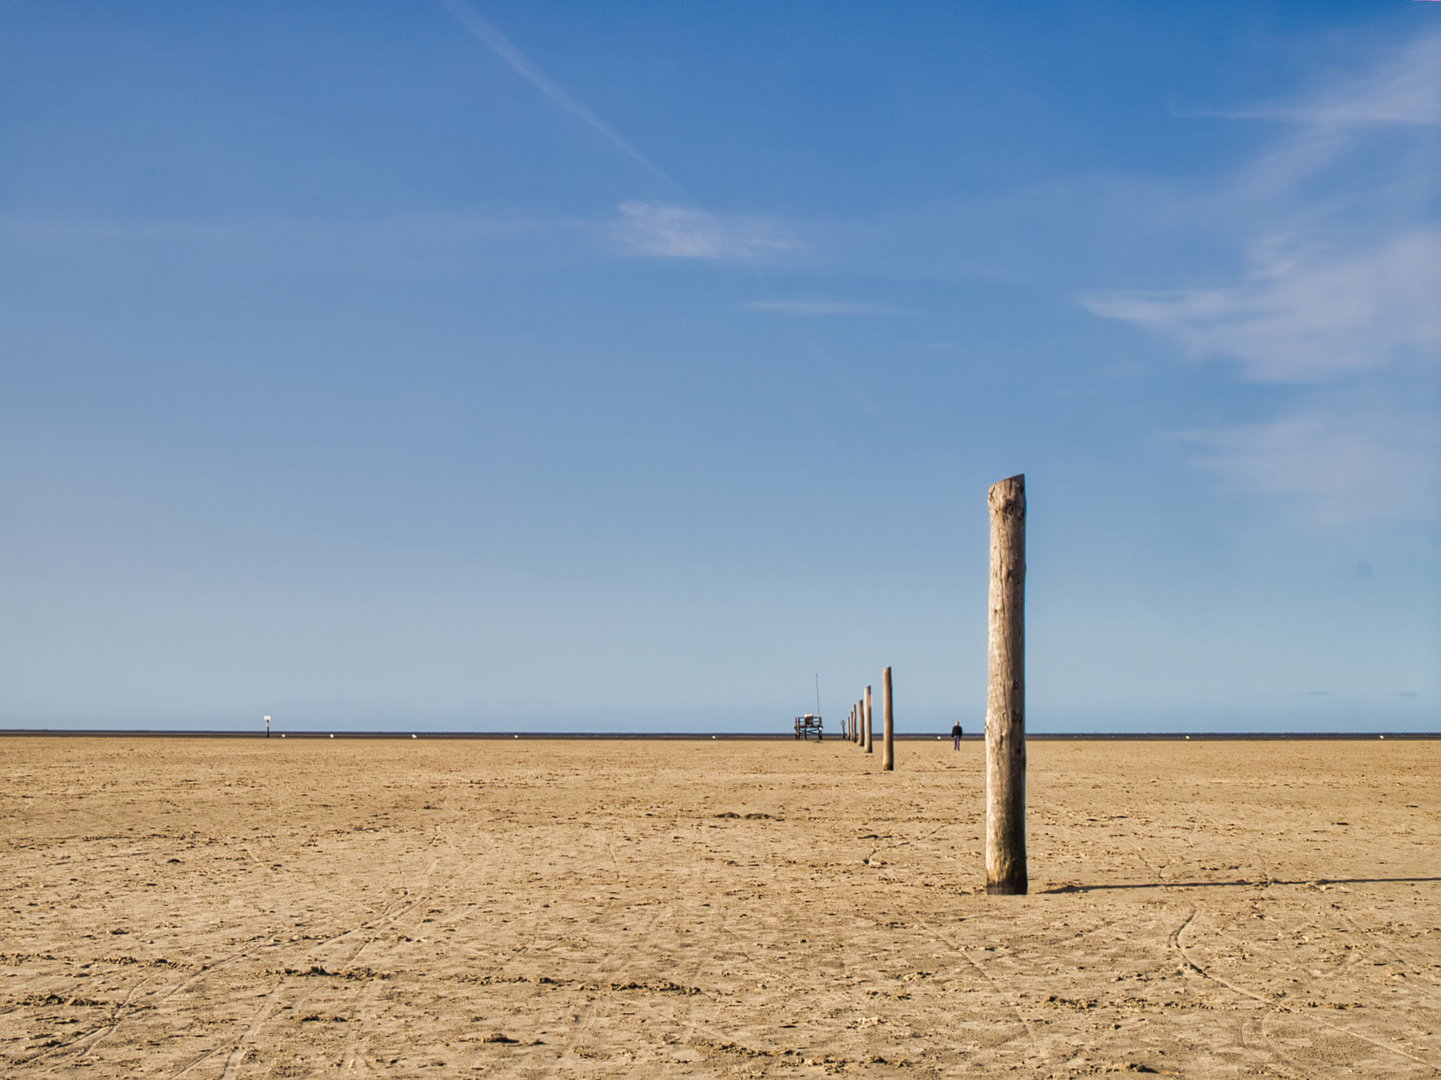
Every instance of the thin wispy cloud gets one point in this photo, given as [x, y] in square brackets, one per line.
[1337, 291]
[1347, 464]
[1304, 312]
[824, 307]
[418, 243]
[679, 232]
[1404, 89]
[526, 68]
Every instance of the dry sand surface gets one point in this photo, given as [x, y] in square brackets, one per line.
[244, 908]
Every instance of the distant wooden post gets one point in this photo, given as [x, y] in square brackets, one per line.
[870, 728]
[1006, 692]
[888, 725]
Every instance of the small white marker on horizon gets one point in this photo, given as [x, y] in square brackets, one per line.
[415, 736]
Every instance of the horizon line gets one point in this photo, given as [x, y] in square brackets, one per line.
[238, 733]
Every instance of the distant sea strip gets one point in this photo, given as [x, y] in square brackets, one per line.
[639, 736]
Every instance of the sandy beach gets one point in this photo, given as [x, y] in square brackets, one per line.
[211, 908]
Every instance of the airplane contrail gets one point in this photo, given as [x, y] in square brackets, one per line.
[501, 45]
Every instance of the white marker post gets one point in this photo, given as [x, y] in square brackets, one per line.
[267, 727]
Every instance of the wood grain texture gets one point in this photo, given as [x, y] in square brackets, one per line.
[1006, 692]
[888, 724]
[870, 733]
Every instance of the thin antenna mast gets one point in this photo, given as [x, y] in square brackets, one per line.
[818, 693]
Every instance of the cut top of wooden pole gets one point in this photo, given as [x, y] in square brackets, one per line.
[888, 725]
[1006, 692]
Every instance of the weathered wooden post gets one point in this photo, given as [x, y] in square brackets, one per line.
[888, 725]
[1006, 692]
[870, 728]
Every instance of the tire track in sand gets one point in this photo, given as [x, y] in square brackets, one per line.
[105, 1030]
[593, 1010]
[394, 910]
[1275, 1007]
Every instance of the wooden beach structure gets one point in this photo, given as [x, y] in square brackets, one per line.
[888, 725]
[1006, 691]
[868, 731]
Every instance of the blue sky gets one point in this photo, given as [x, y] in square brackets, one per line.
[624, 366]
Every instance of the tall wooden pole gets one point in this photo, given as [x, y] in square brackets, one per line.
[870, 728]
[1006, 692]
[860, 713]
[888, 725]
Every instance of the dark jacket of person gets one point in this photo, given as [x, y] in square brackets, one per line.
[956, 732]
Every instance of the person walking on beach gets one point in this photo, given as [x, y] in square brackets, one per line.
[956, 735]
